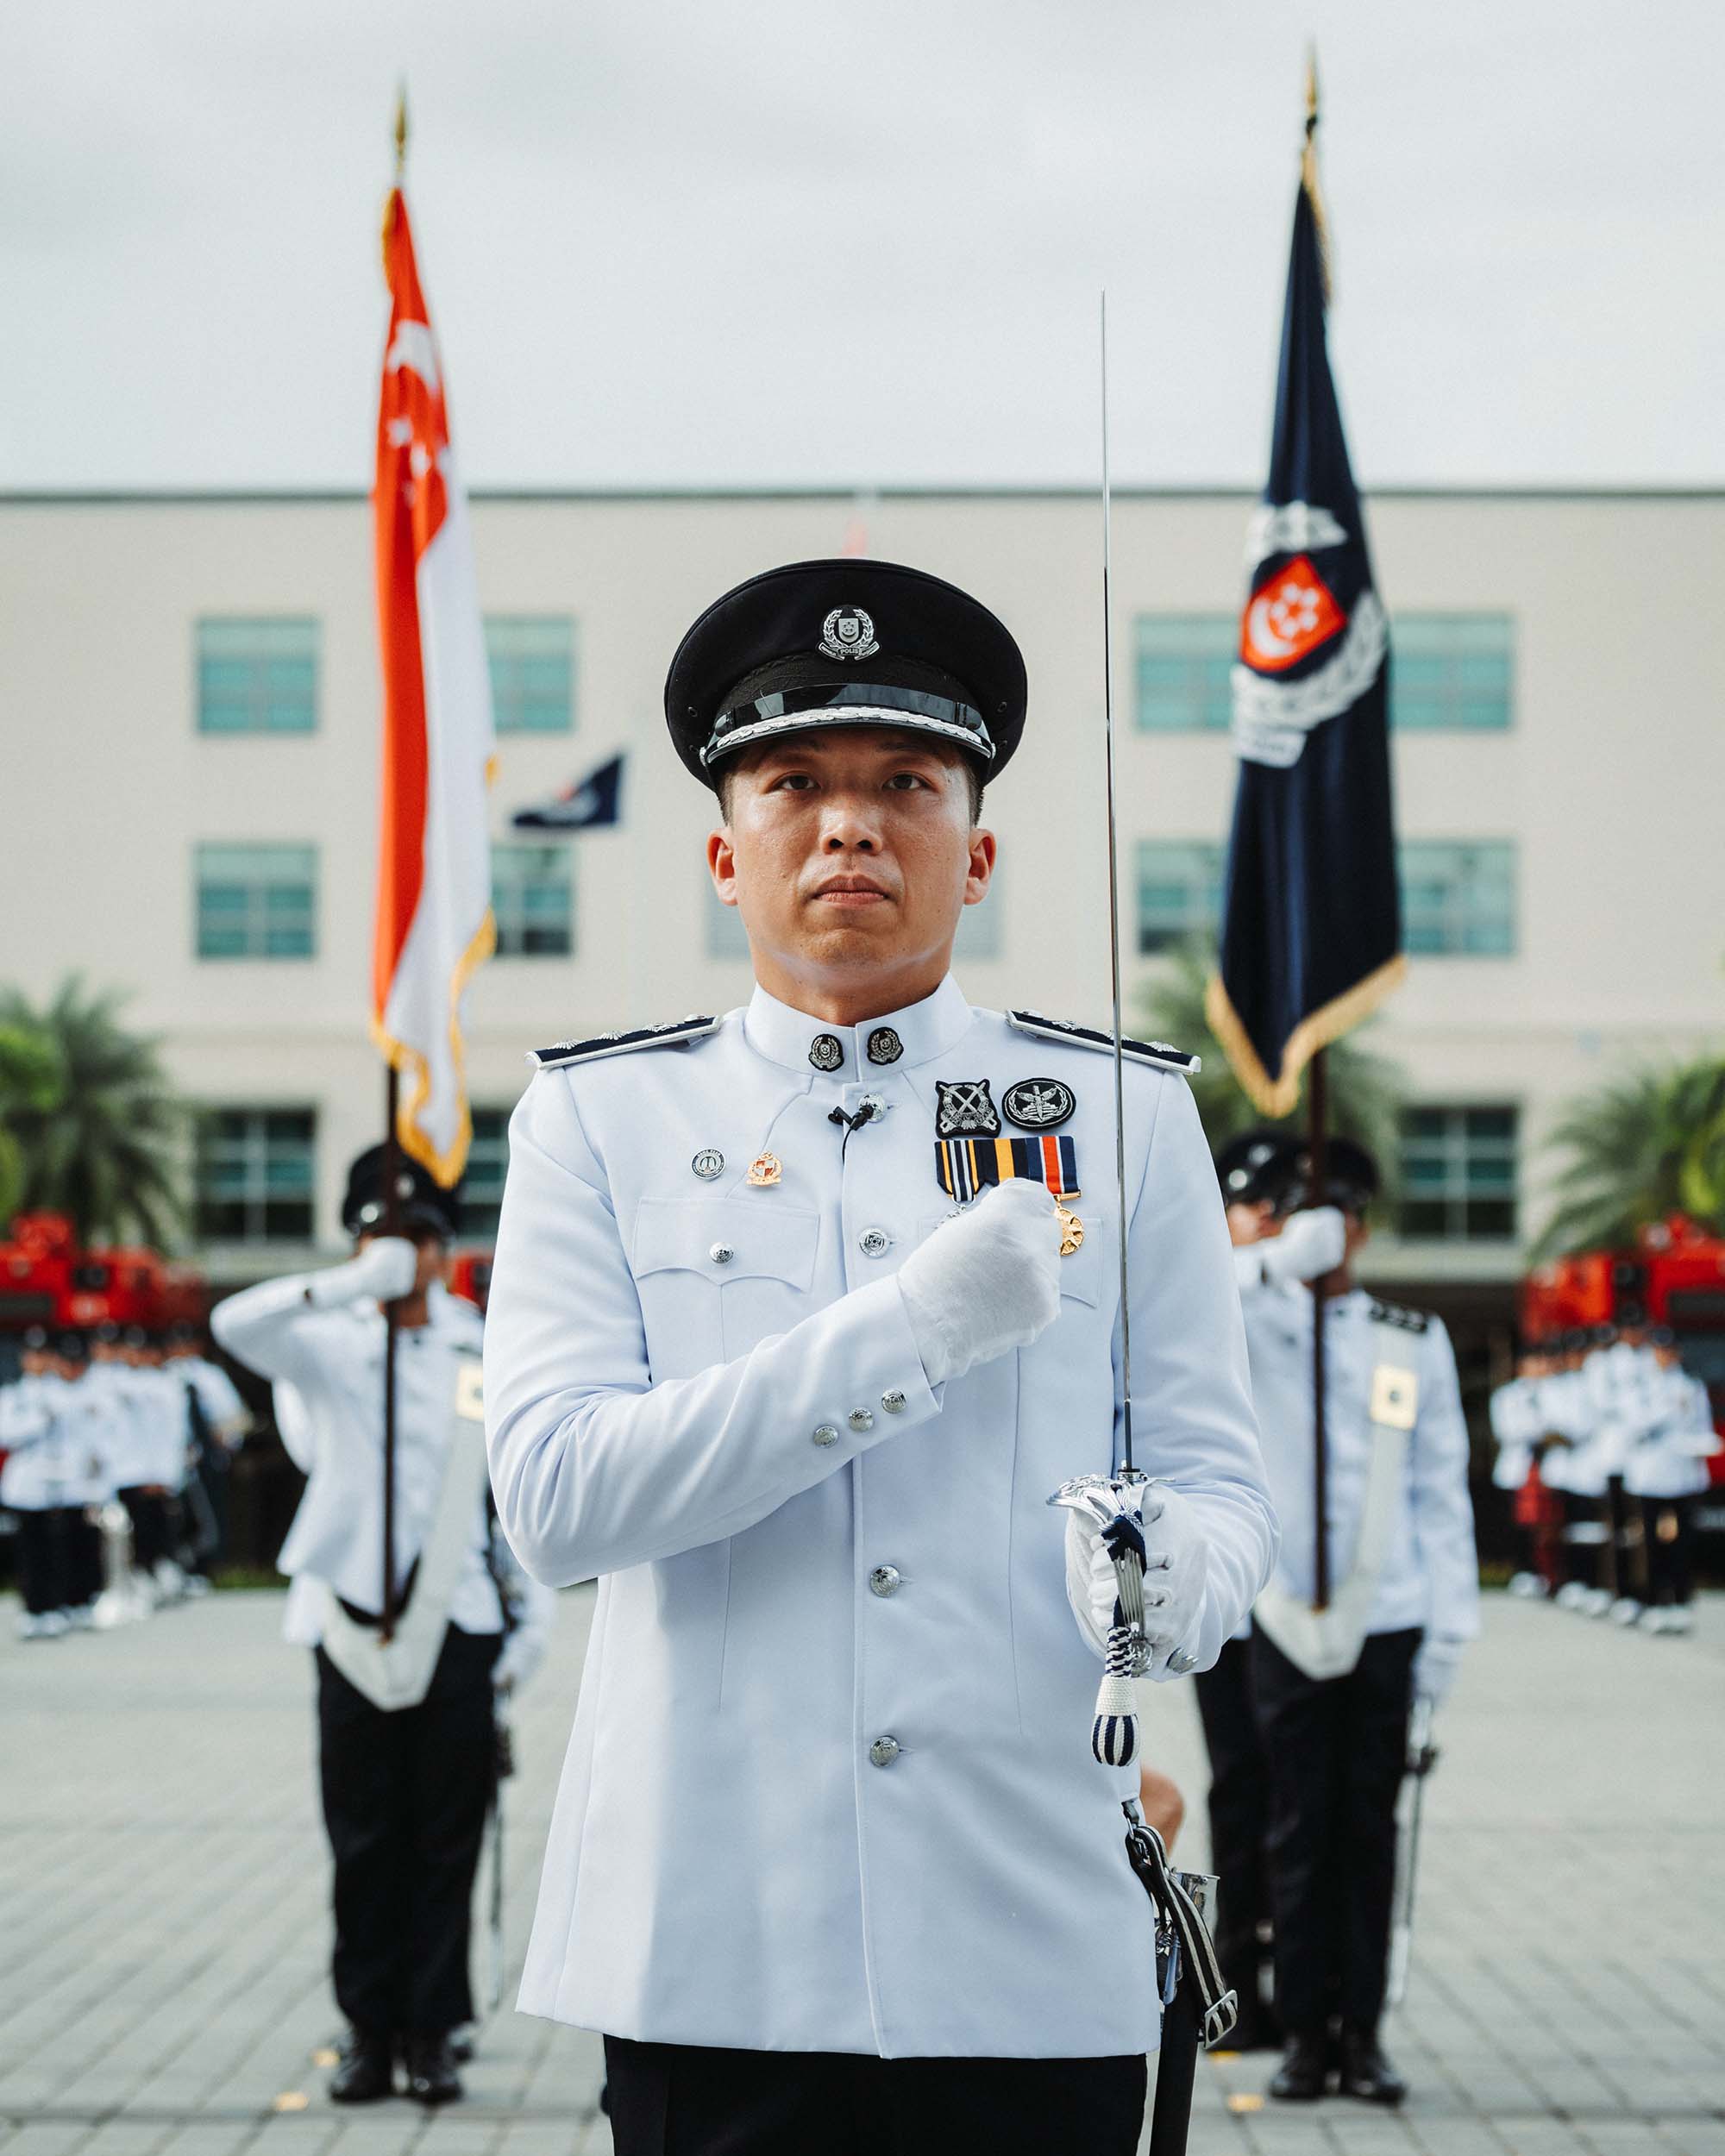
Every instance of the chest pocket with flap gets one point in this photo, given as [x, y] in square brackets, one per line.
[717, 1277]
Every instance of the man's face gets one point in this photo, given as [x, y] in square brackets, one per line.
[850, 851]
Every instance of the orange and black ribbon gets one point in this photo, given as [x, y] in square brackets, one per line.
[968, 1165]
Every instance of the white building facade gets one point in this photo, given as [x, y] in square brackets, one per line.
[190, 698]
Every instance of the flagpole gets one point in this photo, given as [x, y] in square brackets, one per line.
[1317, 1107]
[392, 1164]
[392, 1320]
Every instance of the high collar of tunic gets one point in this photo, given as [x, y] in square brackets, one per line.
[918, 1034]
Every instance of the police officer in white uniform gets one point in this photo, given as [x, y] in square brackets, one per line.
[406, 1730]
[783, 1347]
[1333, 1693]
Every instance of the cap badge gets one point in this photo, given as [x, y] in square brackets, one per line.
[847, 633]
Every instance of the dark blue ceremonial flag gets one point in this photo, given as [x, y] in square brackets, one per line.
[1311, 933]
[595, 802]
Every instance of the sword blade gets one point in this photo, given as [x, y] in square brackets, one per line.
[1114, 910]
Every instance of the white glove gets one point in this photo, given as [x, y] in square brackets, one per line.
[1177, 1558]
[985, 1282]
[386, 1270]
[1311, 1244]
[1435, 1667]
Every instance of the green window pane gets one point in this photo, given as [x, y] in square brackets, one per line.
[257, 676]
[1184, 671]
[532, 663]
[1451, 671]
[1458, 898]
[256, 902]
[1459, 1170]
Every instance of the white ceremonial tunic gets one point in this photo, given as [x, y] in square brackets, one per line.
[1430, 1576]
[830, 1784]
[327, 1367]
[1670, 1459]
[1517, 1425]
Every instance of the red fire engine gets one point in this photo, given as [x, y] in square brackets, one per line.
[46, 1279]
[1675, 1275]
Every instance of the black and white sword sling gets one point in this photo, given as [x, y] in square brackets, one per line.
[1198, 2007]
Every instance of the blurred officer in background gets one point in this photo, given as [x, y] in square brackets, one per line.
[406, 1725]
[1333, 1690]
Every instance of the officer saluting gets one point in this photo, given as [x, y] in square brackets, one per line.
[798, 1317]
[406, 1729]
[1332, 1691]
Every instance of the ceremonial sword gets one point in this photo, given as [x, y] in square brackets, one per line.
[1198, 2007]
[1422, 1756]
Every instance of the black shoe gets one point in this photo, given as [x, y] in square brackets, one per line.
[1365, 2073]
[463, 2041]
[432, 2076]
[367, 2073]
[1305, 2068]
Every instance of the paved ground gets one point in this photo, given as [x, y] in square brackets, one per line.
[163, 1933]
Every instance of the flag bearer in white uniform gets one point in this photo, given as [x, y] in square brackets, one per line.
[798, 1317]
[1666, 1472]
[405, 1727]
[1333, 1692]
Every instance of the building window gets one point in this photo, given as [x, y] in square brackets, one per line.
[1458, 897]
[1451, 671]
[1179, 892]
[257, 901]
[533, 898]
[979, 926]
[257, 677]
[726, 937]
[1184, 662]
[1458, 1174]
[532, 659]
[256, 1174]
[487, 1165]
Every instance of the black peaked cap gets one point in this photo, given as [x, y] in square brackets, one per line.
[425, 1203]
[1257, 1164]
[850, 642]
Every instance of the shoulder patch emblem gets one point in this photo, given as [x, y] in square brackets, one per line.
[1157, 1052]
[1394, 1313]
[672, 1035]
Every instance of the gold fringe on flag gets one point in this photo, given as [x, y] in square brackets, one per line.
[1280, 1095]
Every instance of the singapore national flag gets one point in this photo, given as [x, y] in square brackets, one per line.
[434, 922]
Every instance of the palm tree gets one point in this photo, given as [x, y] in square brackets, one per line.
[29, 1084]
[102, 1143]
[1644, 1146]
[1364, 1091]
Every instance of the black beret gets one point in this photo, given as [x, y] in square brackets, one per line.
[423, 1201]
[848, 643]
[1257, 1164]
[69, 1347]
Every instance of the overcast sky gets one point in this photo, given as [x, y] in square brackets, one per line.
[793, 241]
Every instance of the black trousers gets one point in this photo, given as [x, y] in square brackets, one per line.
[83, 1573]
[1240, 1814]
[1338, 1748]
[405, 1802]
[1670, 1564]
[687, 2100]
[44, 1567]
[152, 1514]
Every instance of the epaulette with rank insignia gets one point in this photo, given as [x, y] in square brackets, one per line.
[1157, 1052]
[671, 1036]
[1396, 1314]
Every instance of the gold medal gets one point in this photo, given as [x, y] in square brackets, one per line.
[765, 1170]
[1071, 1227]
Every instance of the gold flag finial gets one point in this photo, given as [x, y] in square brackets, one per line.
[400, 131]
[1309, 171]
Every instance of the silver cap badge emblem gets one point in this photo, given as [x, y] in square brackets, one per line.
[847, 633]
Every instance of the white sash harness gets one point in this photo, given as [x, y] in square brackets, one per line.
[397, 1673]
[1326, 1642]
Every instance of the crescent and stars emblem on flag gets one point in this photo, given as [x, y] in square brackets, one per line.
[1288, 620]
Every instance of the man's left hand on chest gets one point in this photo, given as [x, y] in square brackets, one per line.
[1176, 1566]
